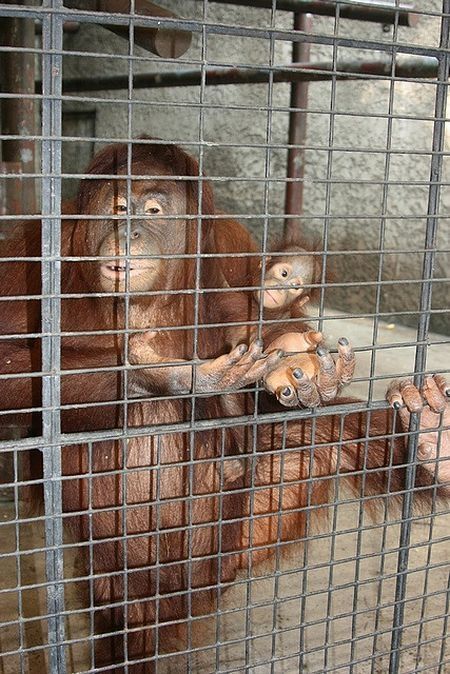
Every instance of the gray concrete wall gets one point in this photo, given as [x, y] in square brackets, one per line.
[235, 123]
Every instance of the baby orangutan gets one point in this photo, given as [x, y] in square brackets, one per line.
[288, 279]
[285, 289]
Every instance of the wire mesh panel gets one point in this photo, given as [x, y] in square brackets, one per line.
[224, 419]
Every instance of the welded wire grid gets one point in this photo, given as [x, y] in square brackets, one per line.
[360, 597]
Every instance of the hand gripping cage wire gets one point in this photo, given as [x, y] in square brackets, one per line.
[323, 117]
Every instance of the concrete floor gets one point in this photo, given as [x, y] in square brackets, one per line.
[280, 596]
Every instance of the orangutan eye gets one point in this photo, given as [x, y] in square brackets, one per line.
[284, 273]
[152, 207]
[120, 206]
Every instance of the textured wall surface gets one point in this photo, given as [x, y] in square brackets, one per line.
[373, 195]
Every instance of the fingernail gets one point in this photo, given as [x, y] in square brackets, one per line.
[298, 373]
[242, 348]
[321, 351]
[286, 392]
[280, 353]
[396, 405]
[343, 341]
[259, 342]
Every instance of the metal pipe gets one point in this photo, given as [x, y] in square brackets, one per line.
[17, 76]
[302, 72]
[10, 193]
[297, 131]
[68, 27]
[382, 12]
[164, 42]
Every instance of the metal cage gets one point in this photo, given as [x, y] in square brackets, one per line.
[326, 118]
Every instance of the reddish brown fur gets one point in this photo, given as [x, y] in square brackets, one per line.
[153, 461]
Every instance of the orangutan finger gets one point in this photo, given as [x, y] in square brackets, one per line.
[233, 369]
[307, 392]
[411, 396]
[403, 392]
[281, 376]
[327, 380]
[302, 301]
[393, 395]
[287, 396]
[264, 366]
[234, 356]
[312, 339]
[255, 351]
[433, 395]
[220, 367]
[277, 379]
[442, 384]
[346, 362]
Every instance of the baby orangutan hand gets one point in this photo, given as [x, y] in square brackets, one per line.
[311, 375]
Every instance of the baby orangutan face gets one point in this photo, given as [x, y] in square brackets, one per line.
[285, 281]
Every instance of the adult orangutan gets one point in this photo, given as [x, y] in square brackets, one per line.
[164, 502]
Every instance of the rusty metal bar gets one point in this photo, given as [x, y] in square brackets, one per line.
[10, 190]
[68, 27]
[302, 72]
[381, 12]
[164, 42]
[18, 114]
[297, 130]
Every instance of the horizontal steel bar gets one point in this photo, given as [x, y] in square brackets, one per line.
[379, 12]
[213, 28]
[201, 425]
[302, 72]
[66, 439]
[257, 255]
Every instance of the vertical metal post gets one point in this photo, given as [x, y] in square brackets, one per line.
[17, 76]
[52, 34]
[422, 331]
[297, 130]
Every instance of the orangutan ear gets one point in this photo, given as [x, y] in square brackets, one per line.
[268, 258]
